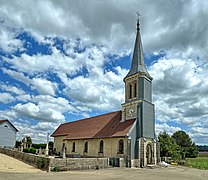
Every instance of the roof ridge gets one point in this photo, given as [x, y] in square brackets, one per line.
[91, 117]
[6, 120]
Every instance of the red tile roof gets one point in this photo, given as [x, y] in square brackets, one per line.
[106, 125]
[2, 121]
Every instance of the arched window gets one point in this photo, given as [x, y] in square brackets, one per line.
[86, 147]
[121, 146]
[135, 89]
[73, 147]
[101, 146]
[130, 91]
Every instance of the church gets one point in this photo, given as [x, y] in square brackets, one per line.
[128, 134]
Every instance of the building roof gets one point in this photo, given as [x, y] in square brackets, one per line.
[102, 126]
[3, 121]
[137, 64]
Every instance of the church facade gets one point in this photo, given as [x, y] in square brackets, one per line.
[128, 134]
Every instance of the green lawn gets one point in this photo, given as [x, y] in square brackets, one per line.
[203, 154]
[199, 162]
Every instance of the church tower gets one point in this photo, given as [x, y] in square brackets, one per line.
[138, 104]
[138, 92]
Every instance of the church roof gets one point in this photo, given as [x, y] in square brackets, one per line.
[3, 121]
[102, 126]
[137, 64]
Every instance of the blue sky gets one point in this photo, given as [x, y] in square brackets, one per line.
[65, 60]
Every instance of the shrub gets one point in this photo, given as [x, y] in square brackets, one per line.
[29, 150]
[55, 169]
[32, 150]
[40, 163]
[25, 150]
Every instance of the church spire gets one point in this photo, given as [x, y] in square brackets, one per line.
[137, 64]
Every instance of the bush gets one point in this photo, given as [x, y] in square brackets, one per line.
[29, 150]
[40, 163]
[32, 150]
[56, 169]
[25, 150]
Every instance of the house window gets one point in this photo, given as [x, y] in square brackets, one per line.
[73, 147]
[86, 147]
[121, 146]
[130, 91]
[101, 147]
[6, 126]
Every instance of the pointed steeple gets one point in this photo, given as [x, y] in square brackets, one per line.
[137, 64]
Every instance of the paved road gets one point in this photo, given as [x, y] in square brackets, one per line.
[169, 173]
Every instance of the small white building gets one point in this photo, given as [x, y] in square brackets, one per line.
[7, 134]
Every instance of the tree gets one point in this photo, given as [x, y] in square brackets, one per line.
[27, 141]
[193, 151]
[18, 144]
[168, 147]
[186, 146]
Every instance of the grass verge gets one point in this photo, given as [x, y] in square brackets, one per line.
[199, 162]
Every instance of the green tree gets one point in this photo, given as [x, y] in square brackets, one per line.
[193, 151]
[168, 147]
[17, 144]
[186, 146]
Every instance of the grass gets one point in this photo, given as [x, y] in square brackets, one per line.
[199, 162]
[203, 154]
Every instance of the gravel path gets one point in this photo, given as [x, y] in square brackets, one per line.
[9, 164]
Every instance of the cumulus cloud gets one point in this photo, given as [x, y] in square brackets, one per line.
[43, 63]
[181, 27]
[91, 32]
[169, 129]
[6, 98]
[11, 89]
[8, 42]
[44, 108]
[180, 86]
[43, 86]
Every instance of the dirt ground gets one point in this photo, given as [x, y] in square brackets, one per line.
[11, 169]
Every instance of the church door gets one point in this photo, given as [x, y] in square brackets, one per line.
[149, 154]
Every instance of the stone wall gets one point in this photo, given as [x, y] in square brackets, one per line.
[57, 164]
[31, 159]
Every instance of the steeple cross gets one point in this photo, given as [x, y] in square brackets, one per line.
[138, 14]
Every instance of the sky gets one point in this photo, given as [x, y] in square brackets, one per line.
[65, 60]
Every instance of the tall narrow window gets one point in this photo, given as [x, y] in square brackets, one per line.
[86, 147]
[73, 147]
[130, 91]
[101, 146]
[135, 89]
[121, 146]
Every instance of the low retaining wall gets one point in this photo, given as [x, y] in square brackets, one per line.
[57, 164]
[78, 164]
[31, 159]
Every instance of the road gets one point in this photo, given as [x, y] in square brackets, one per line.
[11, 169]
